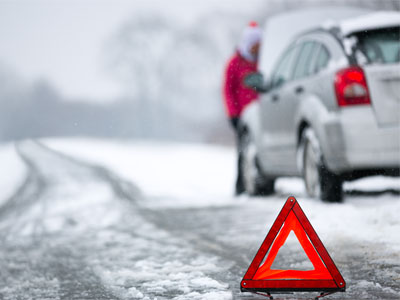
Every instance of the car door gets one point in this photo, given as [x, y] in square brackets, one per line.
[274, 107]
[298, 88]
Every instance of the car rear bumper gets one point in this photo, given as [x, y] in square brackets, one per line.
[354, 141]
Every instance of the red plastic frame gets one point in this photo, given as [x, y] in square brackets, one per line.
[324, 277]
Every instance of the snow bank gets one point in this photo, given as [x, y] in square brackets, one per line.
[169, 174]
[179, 176]
[12, 173]
[360, 219]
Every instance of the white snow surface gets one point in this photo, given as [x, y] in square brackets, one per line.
[181, 176]
[13, 171]
[76, 204]
[137, 258]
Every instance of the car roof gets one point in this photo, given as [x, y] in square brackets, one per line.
[377, 20]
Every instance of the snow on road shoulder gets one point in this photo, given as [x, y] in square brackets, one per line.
[360, 219]
[13, 171]
[168, 173]
[179, 175]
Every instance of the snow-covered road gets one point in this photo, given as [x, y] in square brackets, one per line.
[108, 220]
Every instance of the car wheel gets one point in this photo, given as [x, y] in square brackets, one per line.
[319, 181]
[255, 182]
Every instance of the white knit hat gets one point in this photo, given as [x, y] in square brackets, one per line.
[251, 35]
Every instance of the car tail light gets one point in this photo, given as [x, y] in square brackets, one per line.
[351, 87]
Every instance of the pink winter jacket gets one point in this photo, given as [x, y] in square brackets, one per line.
[236, 94]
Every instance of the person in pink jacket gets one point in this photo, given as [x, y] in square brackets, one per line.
[236, 94]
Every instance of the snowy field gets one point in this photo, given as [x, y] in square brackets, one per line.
[152, 220]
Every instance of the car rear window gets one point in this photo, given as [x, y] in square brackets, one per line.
[378, 46]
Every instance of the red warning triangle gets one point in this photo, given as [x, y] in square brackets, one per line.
[261, 278]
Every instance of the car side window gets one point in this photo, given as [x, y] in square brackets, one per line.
[322, 59]
[283, 71]
[277, 75]
[304, 60]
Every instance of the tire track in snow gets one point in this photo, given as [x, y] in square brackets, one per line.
[36, 262]
[209, 232]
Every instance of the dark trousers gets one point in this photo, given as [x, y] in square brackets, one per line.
[239, 134]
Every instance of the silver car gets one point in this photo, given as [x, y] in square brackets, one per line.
[330, 111]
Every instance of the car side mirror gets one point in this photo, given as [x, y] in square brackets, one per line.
[256, 82]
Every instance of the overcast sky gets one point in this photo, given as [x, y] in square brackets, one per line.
[62, 40]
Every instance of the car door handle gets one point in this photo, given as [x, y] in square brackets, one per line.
[275, 98]
[299, 90]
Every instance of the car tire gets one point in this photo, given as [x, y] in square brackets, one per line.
[320, 182]
[255, 182]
